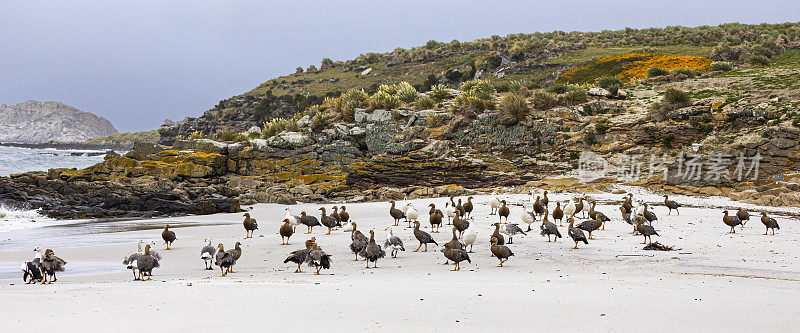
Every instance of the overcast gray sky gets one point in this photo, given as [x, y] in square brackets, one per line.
[140, 62]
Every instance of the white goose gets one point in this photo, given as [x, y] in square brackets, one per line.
[469, 236]
[411, 214]
[527, 216]
[348, 227]
[294, 220]
[494, 203]
[450, 211]
[569, 209]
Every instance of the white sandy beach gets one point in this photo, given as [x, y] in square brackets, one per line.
[742, 282]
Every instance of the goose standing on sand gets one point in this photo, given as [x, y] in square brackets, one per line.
[393, 242]
[538, 208]
[671, 205]
[286, 231]
[558, 214]
[131, 263]
[450, 212]
[545, 200]
[372, 252]
[769, 222]
[468, 207]
[358, 241]
[503, 211]
[569, 209]
[494, 203]
[454, 243]
[309, 221]
[501, 252]
[236, 253]
[335, 217]
[348, 227]
[326, 220]
[648, 215]
[646, 230]
[590, 226]
[146, 262]
[585, 209]
[638, 208]
[435, 218]
[207, 254]
[496, 234]
[575, 233]
[250, 225]
[626, 216]
[469, 237]
[423, 237]
[294, 220]
[731, 221]
[548, 228]
[460, 208]
[344, 217]
[168, 236]
[626, 204]
[412, 215]
[595, 215]
[457, 256]
[743, 216]
[395, 213]
[527, 217]
[298, 256]
[318, 258]
[578, 207]
[460, 224]
[511, 229]
[50, 265]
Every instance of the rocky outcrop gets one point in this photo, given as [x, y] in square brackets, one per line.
[43, 122]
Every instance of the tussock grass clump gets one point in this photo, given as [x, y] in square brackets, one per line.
[673, 99]
[332, 103]
[278, 125]
[383, 100]
[196, 135]
[406, 92]
[543, 100]
[319, 122]
[573, 97]
[720, 66]
[439, 93]
[434, 120]
[513, 109]
[424, 103]
[228, 135]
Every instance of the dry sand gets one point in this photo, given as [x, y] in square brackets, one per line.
[715, 282]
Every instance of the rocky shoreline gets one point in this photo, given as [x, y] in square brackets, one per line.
[70, 146]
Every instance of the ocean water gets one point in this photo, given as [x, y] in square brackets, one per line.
[17, 160]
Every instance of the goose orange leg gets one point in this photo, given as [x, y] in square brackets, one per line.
[420, 245]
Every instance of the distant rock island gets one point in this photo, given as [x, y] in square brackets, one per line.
[43, 122]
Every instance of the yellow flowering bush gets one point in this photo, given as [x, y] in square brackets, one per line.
[631, 66]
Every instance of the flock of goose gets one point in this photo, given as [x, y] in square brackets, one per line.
[456, 213]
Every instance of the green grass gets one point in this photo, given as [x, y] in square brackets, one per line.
[590, 53]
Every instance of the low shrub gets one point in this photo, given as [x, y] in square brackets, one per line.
[608, 81]
[513, 109]
[573, 97]
[561, 88]
[758, 60]
[655, 72]
[720, 66]
[228, 135]
[543, 100]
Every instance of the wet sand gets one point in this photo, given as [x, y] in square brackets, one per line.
[716, 281]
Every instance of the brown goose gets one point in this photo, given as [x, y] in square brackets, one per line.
[595, 215]
[501, 252]
[538, 208]
[298, 256]
[579, 207]
[250, 225]
[460, 224]
[468, 207]
[224, 260]
[236, 253]
[590, 226]
[627, 206]
[671, 205]
[50, 264]
[626, 216]
[646, 230]
[372, 252]
[335, 217]
[359, 241]
[731, 221]
[435, 218]
[575, 233]
[503, 211]
[743, 216]
[457, 256]
[286, 231]
[344, 216]
[423, 237]
[309, 221]
[460, 208]
[318, 258]
[327, 221]
[396, 213]
[549, 228]
[545, 200]
[648, 215]
[168, 237]
[769, 222]
[496, 234]
[558, 214]
[455, 244]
